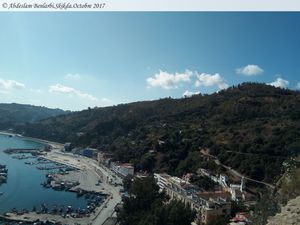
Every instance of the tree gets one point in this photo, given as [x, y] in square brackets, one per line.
[218, 221]
[146, 206]
[179, 213]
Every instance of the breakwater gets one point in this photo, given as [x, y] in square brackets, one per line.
[22, 150]
[23, 190]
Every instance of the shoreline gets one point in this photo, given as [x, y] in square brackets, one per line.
[54, 145]
[93, 173]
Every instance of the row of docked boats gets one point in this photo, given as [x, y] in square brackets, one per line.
[3, 175]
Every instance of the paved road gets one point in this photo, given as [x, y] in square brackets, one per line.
[93, 169]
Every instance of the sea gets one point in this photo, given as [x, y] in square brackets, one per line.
[23, 189]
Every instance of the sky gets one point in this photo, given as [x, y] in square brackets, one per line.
[85, 59]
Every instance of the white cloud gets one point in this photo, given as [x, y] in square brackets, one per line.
[298, 85]
[190, 93]
[10, 84]
[250, 70]
[208, 80]
[59, 88]
[279, 82]
[168, 80]
[105, 100]
[71, 76]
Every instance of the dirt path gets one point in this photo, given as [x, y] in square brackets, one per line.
[235, 172]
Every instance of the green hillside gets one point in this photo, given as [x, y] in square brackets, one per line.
[251, 127]
[16, 114]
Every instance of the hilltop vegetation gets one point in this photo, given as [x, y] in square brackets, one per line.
[12, 115]
[251, 127]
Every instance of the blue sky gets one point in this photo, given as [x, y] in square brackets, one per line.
[76, 60]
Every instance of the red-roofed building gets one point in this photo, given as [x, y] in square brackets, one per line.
[241, 217]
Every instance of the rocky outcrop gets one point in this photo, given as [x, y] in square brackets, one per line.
[289, 215]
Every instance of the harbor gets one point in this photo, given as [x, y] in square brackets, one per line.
[68, 190]
[25, 185]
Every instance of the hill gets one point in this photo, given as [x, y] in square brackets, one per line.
[17, 114]
[251, 127]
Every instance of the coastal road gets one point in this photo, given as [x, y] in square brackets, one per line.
[92, 169]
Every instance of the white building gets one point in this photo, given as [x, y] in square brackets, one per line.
[207, 205]
[161, 180]
[122, 169]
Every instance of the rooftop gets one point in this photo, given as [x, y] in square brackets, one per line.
[214, 195]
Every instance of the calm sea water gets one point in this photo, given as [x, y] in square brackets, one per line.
[23, 189]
